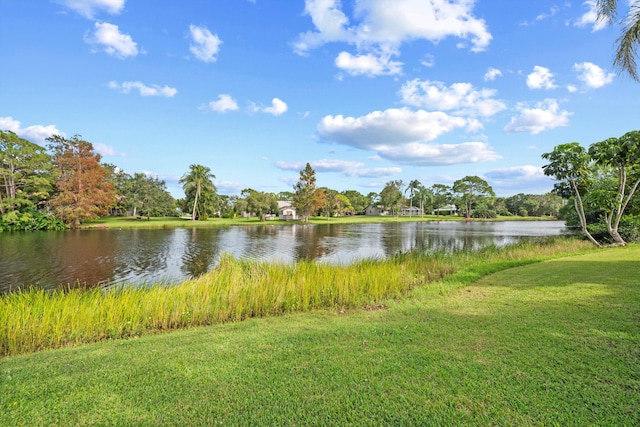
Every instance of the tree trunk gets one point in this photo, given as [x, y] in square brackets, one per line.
[577, 202]
[195, 204]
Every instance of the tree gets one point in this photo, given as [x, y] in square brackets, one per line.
[260, 203]
[623, 156]
[358, 201]
[84, 190]
[26, 173]
[305, 198]
[627, 43]
[199, 190]
[391, 195]
[412, 188]
[570, 164]
[441, 196]
[470, 190]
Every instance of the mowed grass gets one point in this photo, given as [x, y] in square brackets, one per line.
[176, 222]
[550, 343]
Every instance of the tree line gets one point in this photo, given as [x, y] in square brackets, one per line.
[67, 183]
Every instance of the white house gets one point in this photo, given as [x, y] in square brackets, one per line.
[446, 210]
[411, 211]
[378, 210]
[287, 211]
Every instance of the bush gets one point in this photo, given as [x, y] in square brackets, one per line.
[30, 220]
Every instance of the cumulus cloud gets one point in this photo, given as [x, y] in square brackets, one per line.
[205, 45]
[388, 127]
[540, 78]
[144, 90]
[491, 74]
[112, 41]
[382, 26]
[277, 108]
[402, 135]
[544, 116]
[419, 154]
[461, 98]
[88, 8]
[590, 17]
[592, 76]
[224, 103]
[36, 133]
[369, 64]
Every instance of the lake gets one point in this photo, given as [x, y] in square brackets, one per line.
[110, 256]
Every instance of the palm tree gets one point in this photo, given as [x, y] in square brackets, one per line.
[198, 178]
[629, 39]
[412, 188]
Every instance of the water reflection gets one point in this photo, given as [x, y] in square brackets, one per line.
[49, 259]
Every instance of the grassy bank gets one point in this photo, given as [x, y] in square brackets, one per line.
[173, 222]
[235, 290]
[551, 343]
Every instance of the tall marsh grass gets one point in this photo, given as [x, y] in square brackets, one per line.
[35, 319]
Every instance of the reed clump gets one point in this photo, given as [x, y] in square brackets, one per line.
[34, 319]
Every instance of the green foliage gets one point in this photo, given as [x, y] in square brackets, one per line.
[26, 174]
[358, 201]
[471, 190]
[603, 180]
[391, 195]
[200, 192]
[305, 198]
[30, 220]
[259, 203]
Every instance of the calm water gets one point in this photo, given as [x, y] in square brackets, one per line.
[48, 259]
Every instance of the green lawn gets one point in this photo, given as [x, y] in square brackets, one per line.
[170, 222]
[551, 343]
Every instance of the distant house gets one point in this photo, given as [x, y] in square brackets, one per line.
[377, 210]
[446, 210]
[410, 211]
[286, 211]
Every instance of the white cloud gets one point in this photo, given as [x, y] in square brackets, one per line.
[88, 8]
[205, 45]
[383, 26]
[325, 165]
[374, 172]
[590, 17]
[593, 76]
[526, 177]
[369, 64]
[144, 90]
[224, 103]
[277, 108]
[461, 98]
[36, 133]
[491, 74]
[540, 78]
[544, 116]
[112, 40]
[438, 154]
[106, 150]
[392, 126]
[401, 135]
[428, 61]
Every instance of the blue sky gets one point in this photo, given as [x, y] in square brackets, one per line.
[367, 91]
